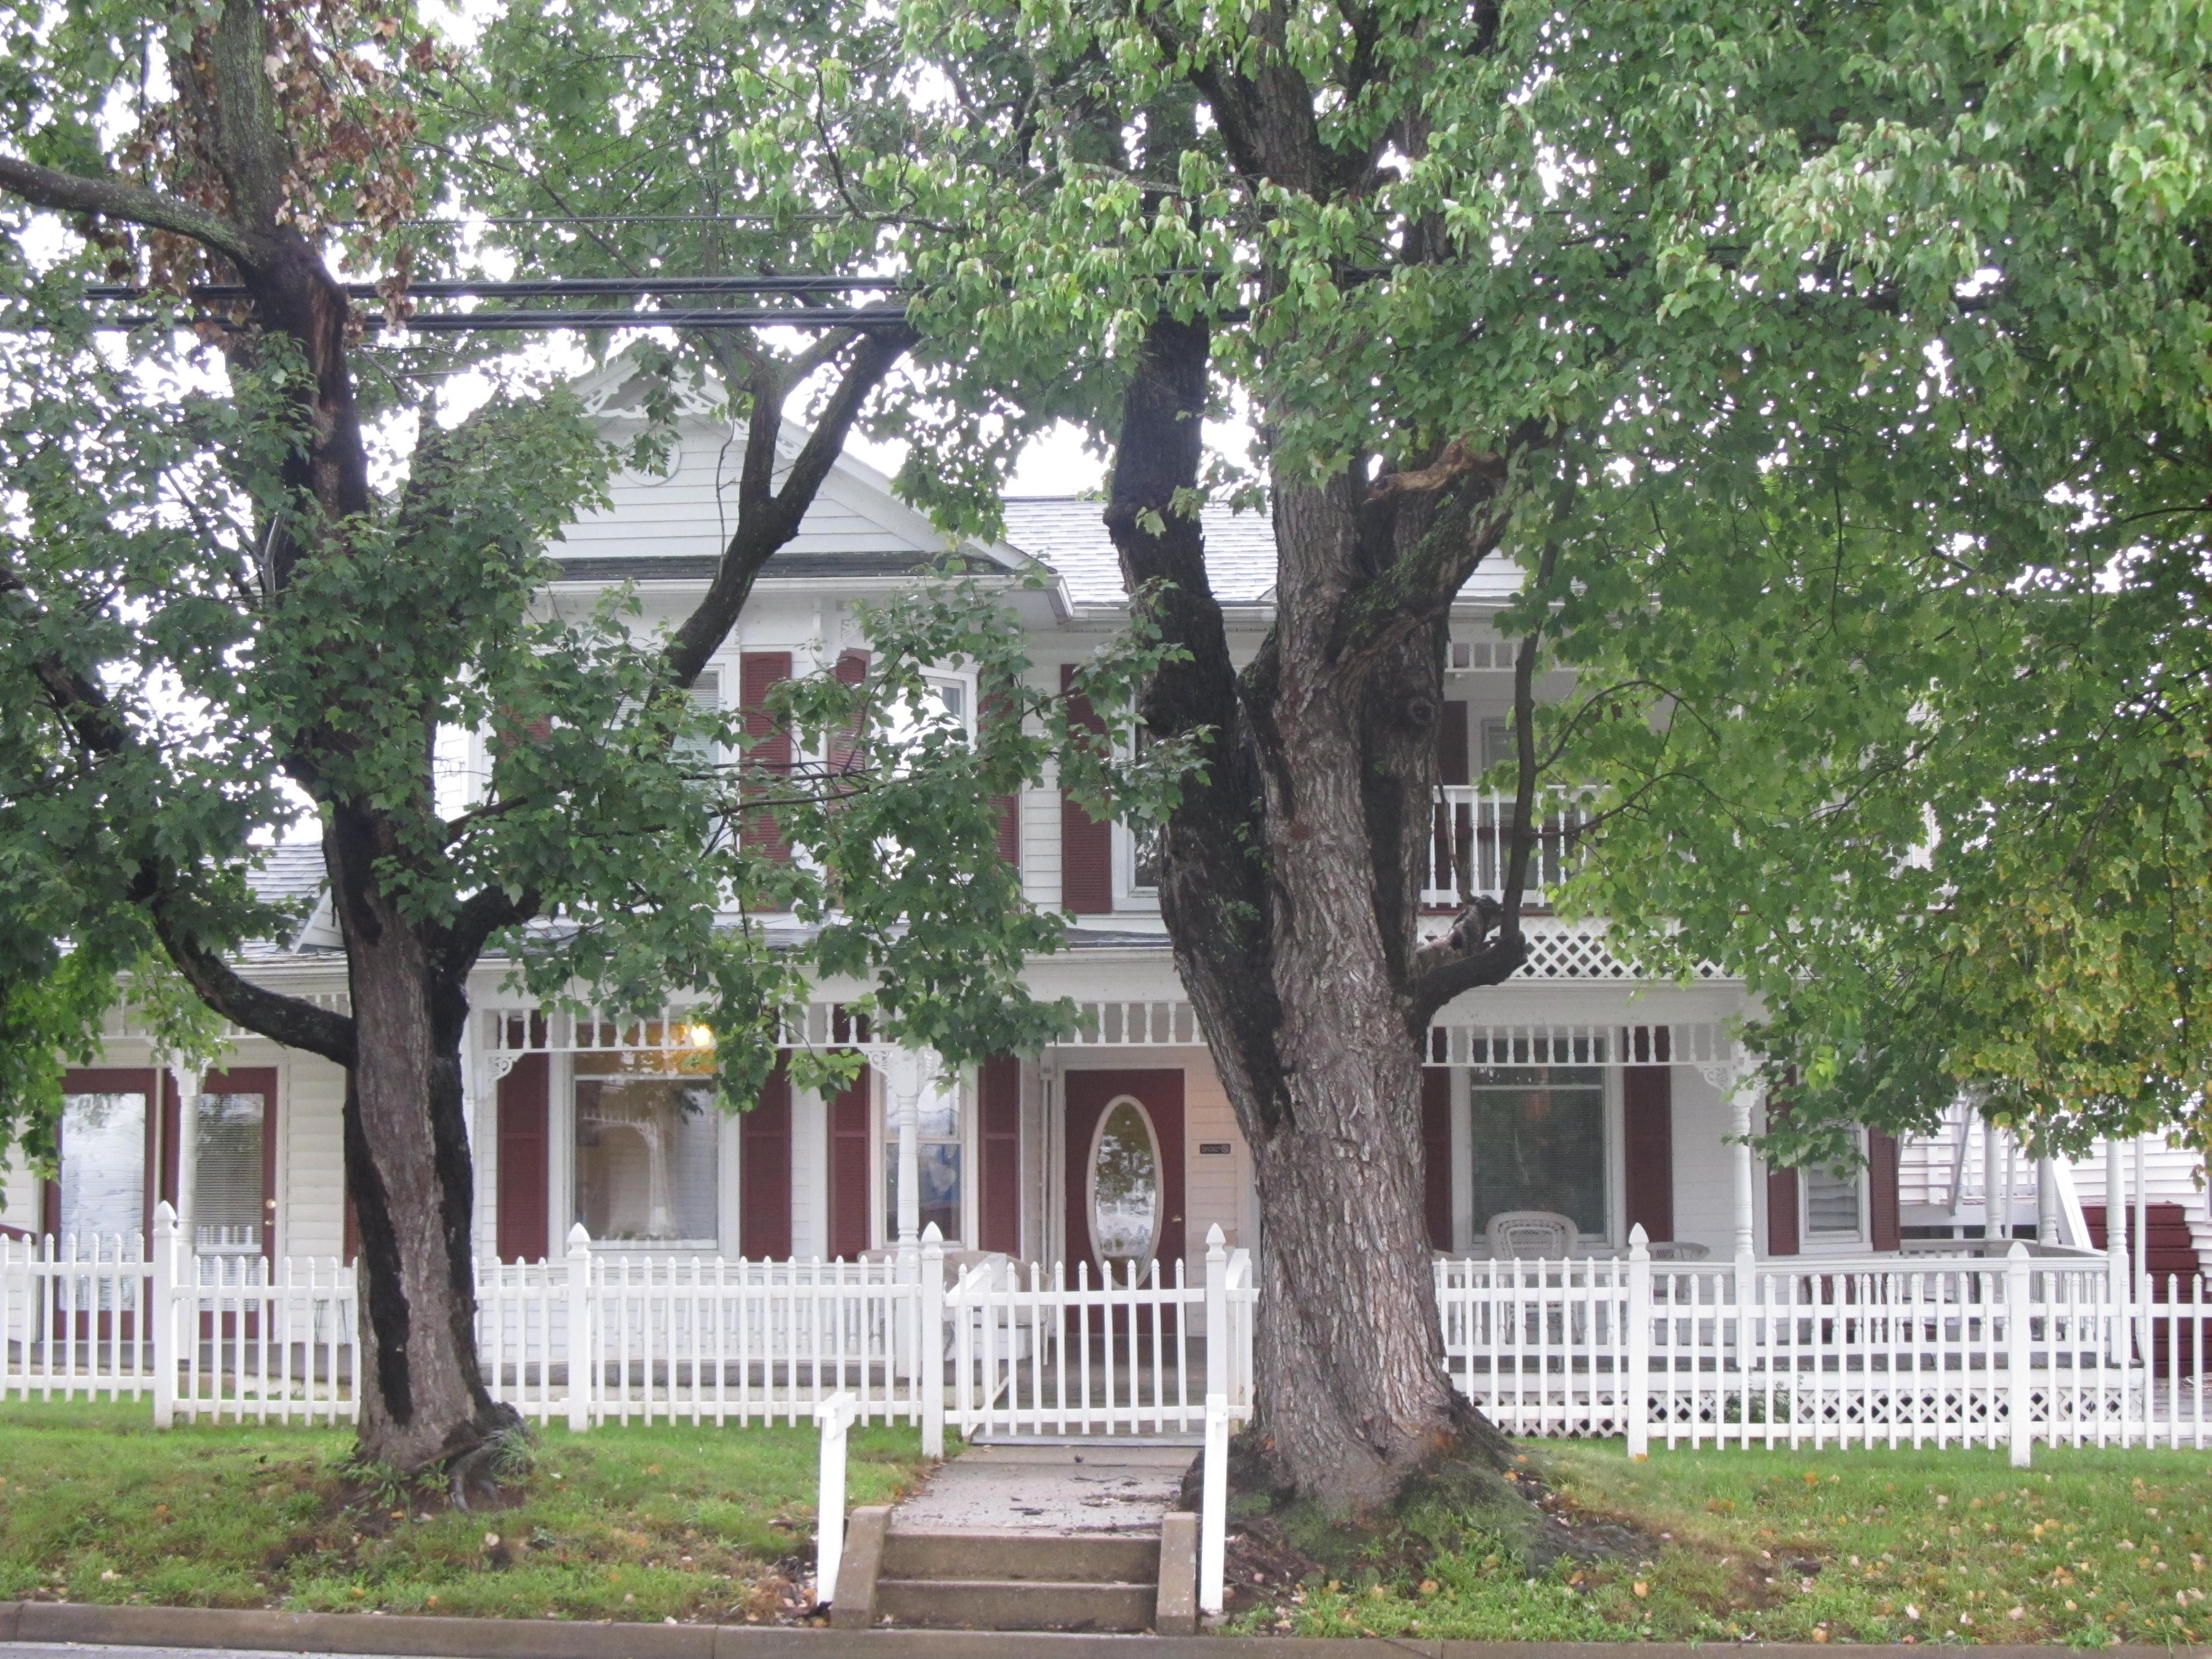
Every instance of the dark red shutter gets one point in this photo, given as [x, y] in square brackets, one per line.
[1883, 1231]
[998, 1125]
[173, 1125]
[1452, 744]
[1086, 845]
[1647, 1122]
[769, 753]
[848, 1171]
[1781, 1211]
[851, 669]
[523, 1226]
[1436, 1155]
[764, 1171]
[1783, 1193]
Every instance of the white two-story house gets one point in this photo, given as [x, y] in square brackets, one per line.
[1576, 1089]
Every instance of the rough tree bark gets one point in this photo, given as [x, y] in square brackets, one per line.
[423, 1402]
[1290, 882]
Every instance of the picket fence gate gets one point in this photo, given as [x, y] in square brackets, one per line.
[1033, 1352]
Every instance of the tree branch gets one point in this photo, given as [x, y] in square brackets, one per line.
[291, 1021]
[114, 199]
[86, 711]
[767, 520]
[483, 914]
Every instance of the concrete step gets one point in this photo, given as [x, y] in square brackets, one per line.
[1029, 1604]
[1015, 1556]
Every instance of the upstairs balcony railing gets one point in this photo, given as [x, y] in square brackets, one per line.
[1472, 843]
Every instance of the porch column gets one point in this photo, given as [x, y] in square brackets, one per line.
[2141, 1231]
[2116, 1222]
[907, 1072]
[187, 1086]
[1988, 1179]
[2046, 1199]
[1743, 1093]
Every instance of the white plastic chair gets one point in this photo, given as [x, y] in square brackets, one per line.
[1532, 1234]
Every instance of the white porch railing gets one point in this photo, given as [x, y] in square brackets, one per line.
[1472, 836]
[1033, 1353]
[1882, 1351]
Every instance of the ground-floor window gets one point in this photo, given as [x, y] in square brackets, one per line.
[228, 1143]
[1833, 1205]
[1538, 1140]
[939, 1145]
[103, 1166]
[648, 1151]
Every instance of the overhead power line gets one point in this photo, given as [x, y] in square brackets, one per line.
[540, 288]
[798, 290]
[493, 322]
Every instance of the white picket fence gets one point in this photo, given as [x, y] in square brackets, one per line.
[696, 1338]
[1989, 1352]
[1913, 1350]
[598, 1336]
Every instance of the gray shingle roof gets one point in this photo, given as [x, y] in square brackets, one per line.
[290, 871]
[1070, 536]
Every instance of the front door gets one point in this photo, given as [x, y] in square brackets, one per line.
[1124, 1170]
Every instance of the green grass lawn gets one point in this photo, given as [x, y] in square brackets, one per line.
[671, 1523]
[664, 1522]
[2087, 1548]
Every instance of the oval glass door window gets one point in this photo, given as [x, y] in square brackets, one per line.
[1126, 1200]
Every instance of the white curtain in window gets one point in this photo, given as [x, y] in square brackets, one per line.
[103, 1166]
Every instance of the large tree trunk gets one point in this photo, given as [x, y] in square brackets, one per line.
[421, 1399]
[1353, 1392]
[1293, 870]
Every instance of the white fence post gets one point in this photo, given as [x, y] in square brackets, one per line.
[583, 1356]
[1751, 1343]
[1220, 1371]
[834, 1416]
[929, 1342]
[2019, 1393]
[1214, 1507]
[1636, 1406]
[160, 1314]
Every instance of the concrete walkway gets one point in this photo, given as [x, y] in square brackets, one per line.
[1099, 1488]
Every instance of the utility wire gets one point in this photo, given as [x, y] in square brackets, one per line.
[543, 287]
[472, 322]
